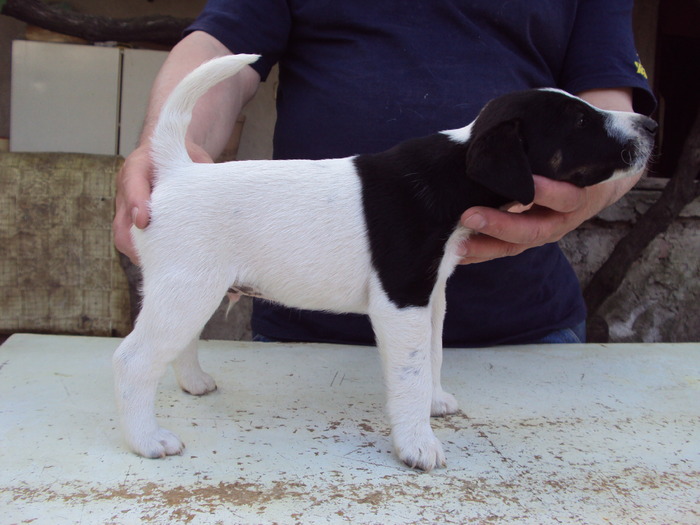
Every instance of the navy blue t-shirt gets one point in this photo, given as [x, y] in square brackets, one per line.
[359, 76]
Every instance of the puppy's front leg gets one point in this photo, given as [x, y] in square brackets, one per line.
[404, 337]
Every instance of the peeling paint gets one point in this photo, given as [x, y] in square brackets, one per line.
[562, 434]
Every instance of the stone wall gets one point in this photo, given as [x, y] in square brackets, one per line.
[659, 300]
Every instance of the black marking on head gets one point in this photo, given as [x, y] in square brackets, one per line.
[496, 159]
[557, 125]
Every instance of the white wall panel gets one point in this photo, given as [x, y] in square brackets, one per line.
[64, 98]
[139, 70]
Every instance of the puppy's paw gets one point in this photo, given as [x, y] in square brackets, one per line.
[196, 382]
[158, 444]
[420, 450]
[443, 404]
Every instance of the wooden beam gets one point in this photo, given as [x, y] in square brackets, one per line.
[166, 30]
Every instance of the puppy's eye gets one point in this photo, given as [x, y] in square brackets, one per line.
[580, 121]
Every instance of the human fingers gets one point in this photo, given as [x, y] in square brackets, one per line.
[198, 154]
[131, 202]
[501, 234]
[480, 248]
[534, 227]
[134, 185]
[512, 231]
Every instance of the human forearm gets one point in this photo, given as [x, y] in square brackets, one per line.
[216, 112]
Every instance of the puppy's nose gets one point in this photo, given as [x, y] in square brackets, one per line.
[649, 125]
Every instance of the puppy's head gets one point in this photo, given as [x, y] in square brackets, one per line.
[551, 133]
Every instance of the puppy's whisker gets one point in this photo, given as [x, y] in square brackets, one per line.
[627, 156]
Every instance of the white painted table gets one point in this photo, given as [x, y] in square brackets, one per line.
[296, 434]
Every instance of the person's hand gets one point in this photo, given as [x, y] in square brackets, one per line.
[134, 184]
[558, 208]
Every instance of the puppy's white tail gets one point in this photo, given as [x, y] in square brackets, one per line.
[168, 140]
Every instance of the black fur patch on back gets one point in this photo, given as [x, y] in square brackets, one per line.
[413, 196]
[551, 121]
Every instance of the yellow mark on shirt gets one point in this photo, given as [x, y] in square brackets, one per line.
[640, 69]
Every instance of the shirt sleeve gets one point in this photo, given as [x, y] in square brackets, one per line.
[248, 26]
[601, 52]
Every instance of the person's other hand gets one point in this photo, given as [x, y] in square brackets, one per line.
[134, 184]
[558, 208]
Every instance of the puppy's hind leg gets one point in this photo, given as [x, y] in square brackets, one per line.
[136, 375]
[190, 376]
[172, 316]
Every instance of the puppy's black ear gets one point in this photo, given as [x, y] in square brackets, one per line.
[496, 159]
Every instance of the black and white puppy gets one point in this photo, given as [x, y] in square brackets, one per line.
[371, 234]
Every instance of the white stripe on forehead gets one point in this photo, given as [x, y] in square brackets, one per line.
[610, 112]
[566, 93]
[460, 135]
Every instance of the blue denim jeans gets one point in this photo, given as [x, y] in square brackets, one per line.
[576, 334]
